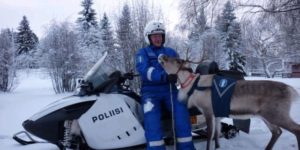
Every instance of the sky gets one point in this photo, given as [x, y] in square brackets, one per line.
[41, 13]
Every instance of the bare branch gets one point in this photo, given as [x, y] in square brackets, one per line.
[277, 10]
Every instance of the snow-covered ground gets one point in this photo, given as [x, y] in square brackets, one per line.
[35, 92]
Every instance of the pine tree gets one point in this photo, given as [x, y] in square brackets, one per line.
[112, 61]
[88, 18]
[90, 42]
[26, 39]
[227, 17]
[230, 32]
[201, 20]
[107, 34]
[127, 44]
[237, 60]
[91, 48]
[125, 38]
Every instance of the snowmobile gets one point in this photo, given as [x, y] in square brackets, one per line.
[104, 113]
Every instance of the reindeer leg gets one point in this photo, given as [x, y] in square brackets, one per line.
[283, 120]
[297, 134]
[276, 132]
[217, 131]
[293, 127]
[298, 137]
[210, 122]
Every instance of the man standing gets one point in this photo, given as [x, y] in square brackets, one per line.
[159, 88]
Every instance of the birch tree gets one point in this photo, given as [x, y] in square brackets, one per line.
[8, 78]
[61, 56]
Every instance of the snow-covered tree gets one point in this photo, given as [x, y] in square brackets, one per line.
[26, 42]
[226, 18]
[26, 39]
[265, 47]
[286, 15]
[91, 48]
[127, 44]
[61, 56]
[125, 37]
[90, 42]
[198, 31]
[202, 42]
[289, 27]
[109, 44]
[141, 14]
[234, 43]
[230, 33]
[130, 34]
[107, 33]
[88, 18]
[8, 79]
[192, 12]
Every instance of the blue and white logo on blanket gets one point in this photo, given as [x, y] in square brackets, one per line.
[223, 83]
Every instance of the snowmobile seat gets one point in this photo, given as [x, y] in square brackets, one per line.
[213, 68]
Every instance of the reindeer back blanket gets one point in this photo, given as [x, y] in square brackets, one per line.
[222, 90]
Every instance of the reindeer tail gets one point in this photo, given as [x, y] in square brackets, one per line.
[294, 94]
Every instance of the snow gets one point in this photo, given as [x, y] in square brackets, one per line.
[35, 91]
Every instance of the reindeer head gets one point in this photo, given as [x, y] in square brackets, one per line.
[173, 65]
[177, 66]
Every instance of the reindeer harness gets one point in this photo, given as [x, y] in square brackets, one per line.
[221, 92]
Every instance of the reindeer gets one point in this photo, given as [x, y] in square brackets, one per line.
[268, 99]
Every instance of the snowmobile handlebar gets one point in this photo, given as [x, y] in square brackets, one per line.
[116, 78]
[130, 75]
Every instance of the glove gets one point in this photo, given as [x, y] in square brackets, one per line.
[128, 75]
[84, 88]
[172, 78]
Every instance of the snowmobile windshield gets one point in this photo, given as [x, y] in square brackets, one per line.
[99, 73]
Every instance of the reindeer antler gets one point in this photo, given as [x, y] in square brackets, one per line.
[189, 61]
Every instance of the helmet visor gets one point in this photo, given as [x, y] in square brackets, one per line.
[157, 31]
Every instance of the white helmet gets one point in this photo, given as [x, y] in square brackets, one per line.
[154, 27]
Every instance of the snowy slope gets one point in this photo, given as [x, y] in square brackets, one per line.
[35, 91]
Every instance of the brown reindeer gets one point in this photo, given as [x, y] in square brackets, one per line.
[268, 99]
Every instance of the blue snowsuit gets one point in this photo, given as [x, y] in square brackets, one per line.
[155, 92]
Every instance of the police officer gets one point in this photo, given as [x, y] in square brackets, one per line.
[156, 91]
